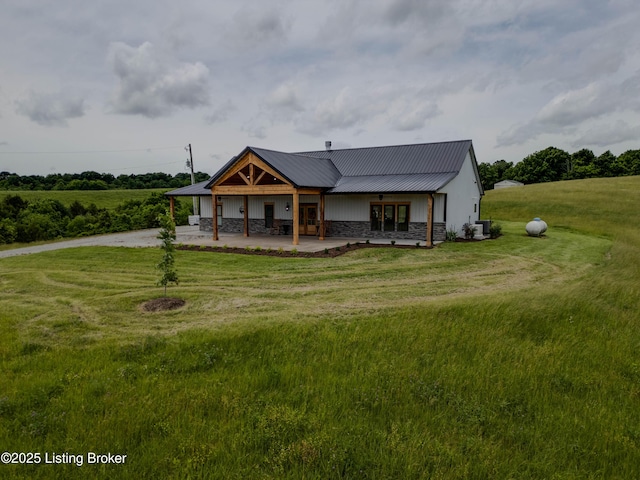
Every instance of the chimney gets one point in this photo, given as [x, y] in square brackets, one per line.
[327, 145]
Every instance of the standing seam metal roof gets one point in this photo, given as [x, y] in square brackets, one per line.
[301, 170]
[423, 167]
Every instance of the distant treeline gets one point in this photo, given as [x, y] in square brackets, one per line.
[96, 181]
[49, 219]
[553, 164]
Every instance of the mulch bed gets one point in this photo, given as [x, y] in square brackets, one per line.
[163, 304]
[326, 253]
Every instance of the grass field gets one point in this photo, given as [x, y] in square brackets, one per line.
[108, 199]
[513, 358]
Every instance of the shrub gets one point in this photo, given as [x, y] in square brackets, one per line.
[294, 251]
[8, 232]
[495, 230]
[38, 226]
[393, 242]
[469, 230]
[452, 234]
[77, 226]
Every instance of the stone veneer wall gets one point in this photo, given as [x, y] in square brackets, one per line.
[236, 225]
[417, 230]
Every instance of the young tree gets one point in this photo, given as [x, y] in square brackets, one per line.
[167, 235]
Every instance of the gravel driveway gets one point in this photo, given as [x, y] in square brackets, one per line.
[138, 238]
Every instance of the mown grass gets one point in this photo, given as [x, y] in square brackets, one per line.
[108, 199]
[515, 358]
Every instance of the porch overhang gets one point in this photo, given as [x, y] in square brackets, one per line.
[250, 176]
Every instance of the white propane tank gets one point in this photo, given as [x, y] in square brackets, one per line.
[536, 227]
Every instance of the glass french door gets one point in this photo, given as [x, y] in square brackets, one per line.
[308, 219]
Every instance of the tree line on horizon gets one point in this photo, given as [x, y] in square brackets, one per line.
[91, 180]
[553, 164]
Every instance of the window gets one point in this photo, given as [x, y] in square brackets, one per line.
[376, 217]
[403, 218]
[219, 215]
[389, 217]
[268, 215]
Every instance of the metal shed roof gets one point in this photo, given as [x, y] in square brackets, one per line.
[195, 190]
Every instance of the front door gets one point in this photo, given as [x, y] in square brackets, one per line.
[308, 219]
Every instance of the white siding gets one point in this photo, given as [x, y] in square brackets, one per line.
[439, 206]
[463, 197]
[356, 208]
[206, 207]
[232, 204]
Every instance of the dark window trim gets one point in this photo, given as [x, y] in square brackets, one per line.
[395, 218]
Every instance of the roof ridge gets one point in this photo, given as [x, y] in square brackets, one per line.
[384, 146]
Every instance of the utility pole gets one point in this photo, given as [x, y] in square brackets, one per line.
[193, 178]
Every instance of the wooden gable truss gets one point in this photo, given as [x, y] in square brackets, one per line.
[250, 175]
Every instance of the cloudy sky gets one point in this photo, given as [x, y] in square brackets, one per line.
[123, 86]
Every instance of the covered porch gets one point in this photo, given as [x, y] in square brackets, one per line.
[250, 176]
[192, 235]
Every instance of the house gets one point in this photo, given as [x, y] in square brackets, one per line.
[507, 184]
[415, 192]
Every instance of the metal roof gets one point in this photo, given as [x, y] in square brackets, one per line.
[399, 159]
[195, 190]
[421, 182]
[301, 170]
[424, 167]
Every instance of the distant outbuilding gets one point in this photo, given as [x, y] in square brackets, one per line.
[507, 184]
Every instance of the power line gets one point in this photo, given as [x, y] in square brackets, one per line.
[141, 166]
[89, 151]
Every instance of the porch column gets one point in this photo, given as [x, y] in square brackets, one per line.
[296, 219]
[215, 217]
[322, 229]
[246, 215]
[172, 208]
[429, 220]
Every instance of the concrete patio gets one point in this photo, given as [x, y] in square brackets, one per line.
[193, 236]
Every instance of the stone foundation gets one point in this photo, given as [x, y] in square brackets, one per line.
[417, 230]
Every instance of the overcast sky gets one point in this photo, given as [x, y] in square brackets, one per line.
[123, 86]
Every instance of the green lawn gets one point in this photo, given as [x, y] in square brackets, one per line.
[513, 358]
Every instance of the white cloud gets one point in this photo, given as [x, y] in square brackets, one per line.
[412, 114]
[221, 113]
[608, 134]
[285, 97]
[50, 109]
[567, 111]
[153, 86]
[256, 27]
[345, 110]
